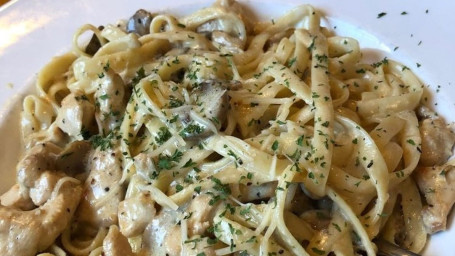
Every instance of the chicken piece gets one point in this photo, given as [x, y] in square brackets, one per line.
[52, 135]
[135, 213]
[110, 99]
[17, 198]
[115, 244]
[203, 246]
[40, 158]
[44, 186]
[159, 230]
[437, 141]
[103, 181]
[438, 185]
[173, 241]
[40, 169]
[163, 236]
[144, 165]
[201, 215]
[28, 232]
[75, 115]
[193, 245]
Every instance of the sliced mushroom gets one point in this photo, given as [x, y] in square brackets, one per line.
[139, 23]
[438, 186]
[213, 101]
[211, 104]
[223, 40]
[94, 44]
[225, 32]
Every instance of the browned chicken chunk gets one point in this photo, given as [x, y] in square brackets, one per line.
[438, 185]
[28, 232]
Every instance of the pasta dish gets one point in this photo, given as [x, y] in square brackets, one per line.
[215, 134]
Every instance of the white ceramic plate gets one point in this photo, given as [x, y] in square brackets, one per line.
[31, 32]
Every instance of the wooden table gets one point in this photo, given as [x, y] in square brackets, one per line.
[3, 1]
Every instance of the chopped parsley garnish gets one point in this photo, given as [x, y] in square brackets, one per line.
[168, 161]
[163, 135]
[195, 241]
[321, 58]
[101, 142]
[337, 227]
[382, 14]
[175, 103]
[311, 47]
[275, 145]
[140, 74]
[189, 163]
[299, 141]
[106, 67]
[245, 211]
[378, 64]
[176, 60]
[223, 191]
[410, 141]
[317, 251]
[192, 129]
[178, 188]
[104, 97]
[291, 62]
